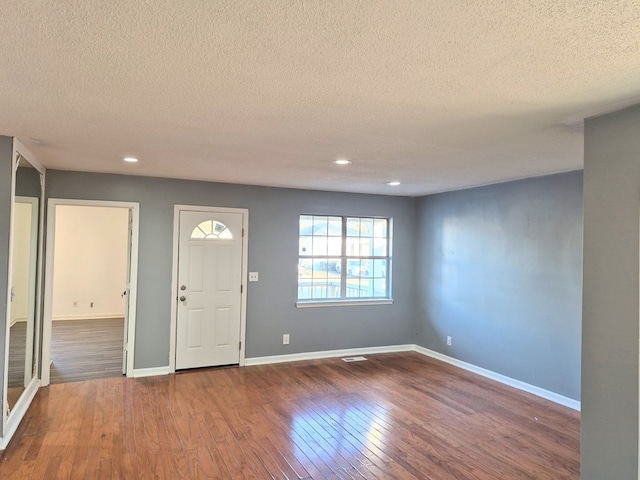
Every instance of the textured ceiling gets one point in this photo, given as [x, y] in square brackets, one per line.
[439, 94]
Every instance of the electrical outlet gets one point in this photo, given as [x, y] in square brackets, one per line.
[449, 340]
[285, 339]
[75, 304]
[253, 276]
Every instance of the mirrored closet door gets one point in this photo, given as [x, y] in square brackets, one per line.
[23, 311]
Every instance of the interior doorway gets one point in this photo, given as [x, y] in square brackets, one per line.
[90, 285]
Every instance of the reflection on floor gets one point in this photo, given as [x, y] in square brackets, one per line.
[17, 343]
[13, 394]
[86, 349]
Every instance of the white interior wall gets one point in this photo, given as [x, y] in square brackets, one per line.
[90, 262]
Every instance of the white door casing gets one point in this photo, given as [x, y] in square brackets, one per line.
[127, 294]
[209, 294]
[11, 420]
[132, 284]
[30, 208]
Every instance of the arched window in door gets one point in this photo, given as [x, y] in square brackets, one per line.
[211, 230]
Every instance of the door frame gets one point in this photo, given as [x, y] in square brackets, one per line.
[131, 298]
[11, 420]
[174, 275]
[33, 283]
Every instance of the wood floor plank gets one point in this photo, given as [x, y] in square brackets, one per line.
[85, 349]
[394, 416]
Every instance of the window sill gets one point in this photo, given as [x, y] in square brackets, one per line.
[343, 303]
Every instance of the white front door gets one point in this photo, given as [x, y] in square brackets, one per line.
[209, 289]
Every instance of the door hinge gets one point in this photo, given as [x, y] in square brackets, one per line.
[239, 345]
[243, 232]
[241, 288]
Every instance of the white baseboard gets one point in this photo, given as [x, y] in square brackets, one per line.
[150, 372]
[88, 317]
[349, 352]
[16, 320]
[540, 392]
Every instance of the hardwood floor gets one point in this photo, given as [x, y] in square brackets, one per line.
[86, 349]
[395, 416]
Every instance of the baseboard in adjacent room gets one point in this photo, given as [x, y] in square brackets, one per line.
[88, 317]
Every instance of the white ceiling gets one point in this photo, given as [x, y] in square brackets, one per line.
[439, 94]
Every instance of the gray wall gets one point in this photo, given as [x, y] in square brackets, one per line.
[27, 181]
[6, 152]
[610, 321]
[273, 249]
[500, 271]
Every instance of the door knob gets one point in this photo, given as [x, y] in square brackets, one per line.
[183, 298]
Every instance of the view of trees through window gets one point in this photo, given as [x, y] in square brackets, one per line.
[343, 258]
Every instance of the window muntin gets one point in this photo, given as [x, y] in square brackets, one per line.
[343, 258]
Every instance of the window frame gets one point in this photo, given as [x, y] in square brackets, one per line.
[344, 258]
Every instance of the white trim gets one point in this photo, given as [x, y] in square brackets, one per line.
[10, 421]
[88, 317]
[33, 290]
[134, 208]
[5, 385]
[540, 392]
[150, 372]
[348, 352]
[132, 287]
[173, 322]
[342, 303]
[174, 276]
[18, 412]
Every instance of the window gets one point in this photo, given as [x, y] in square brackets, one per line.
[211, 230]
[343, 258]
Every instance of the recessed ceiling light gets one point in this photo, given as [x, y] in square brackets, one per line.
[393, 184]
[342, 161]
[130, 159]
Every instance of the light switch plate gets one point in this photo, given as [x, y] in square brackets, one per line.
[253, 276]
